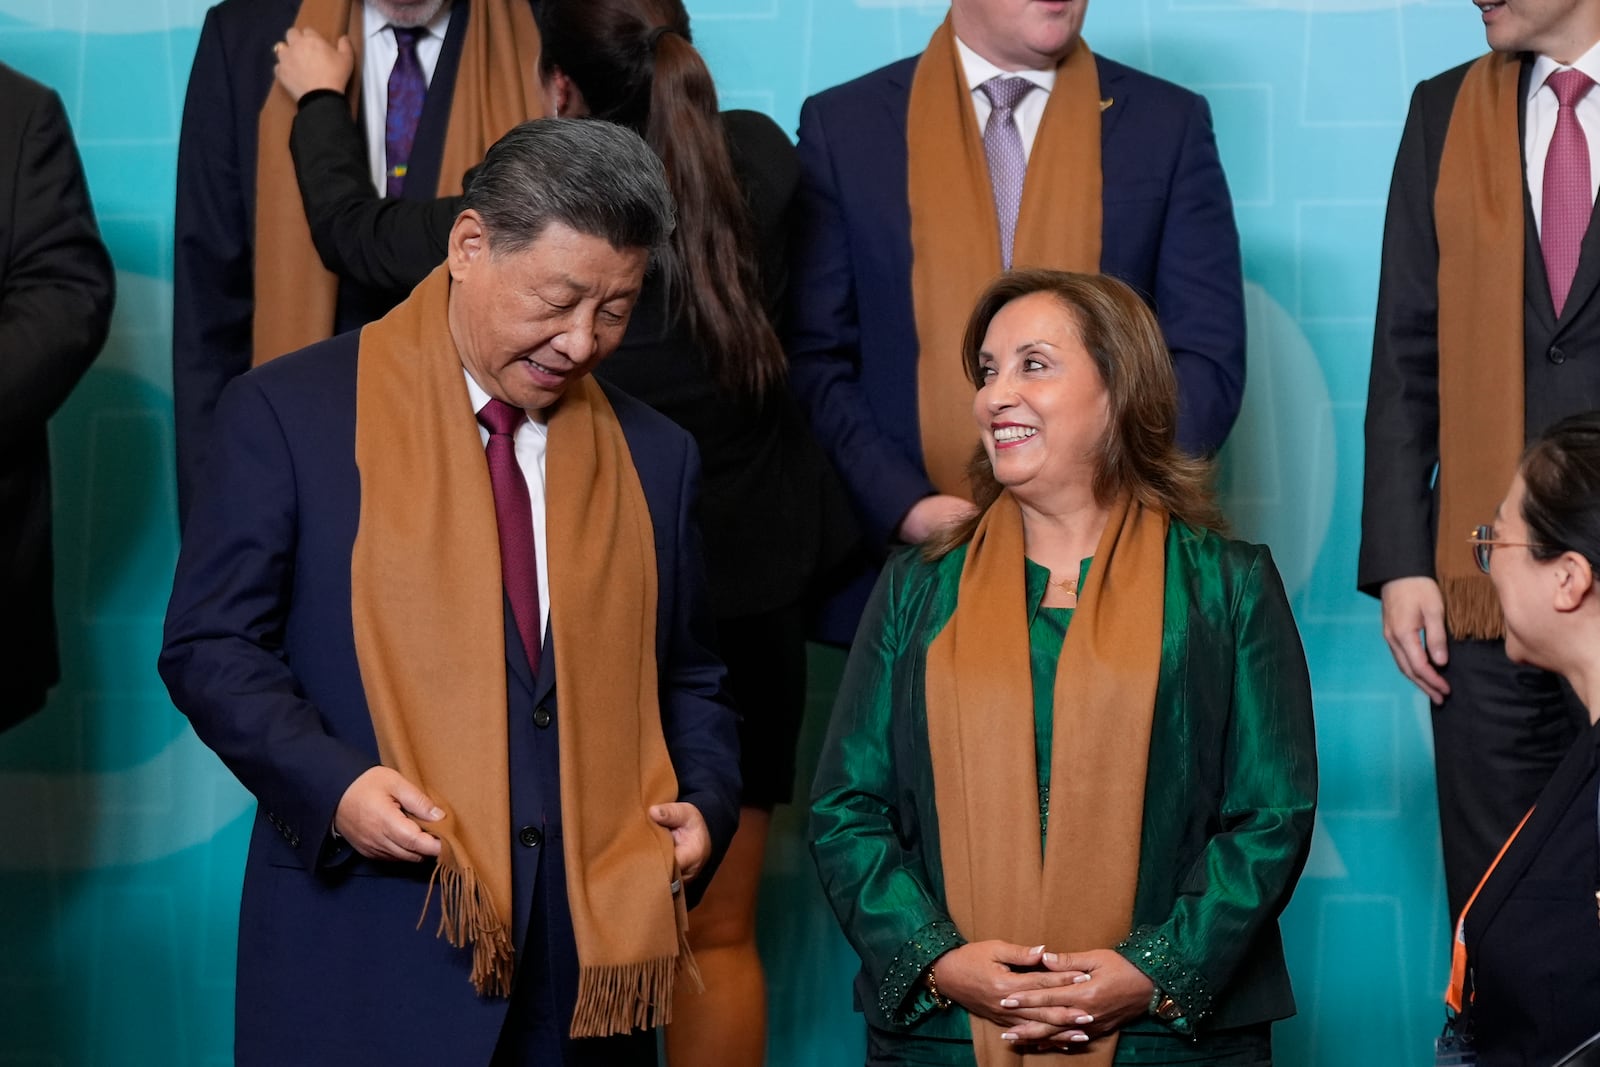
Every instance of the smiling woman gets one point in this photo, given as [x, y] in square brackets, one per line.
[1165, 739]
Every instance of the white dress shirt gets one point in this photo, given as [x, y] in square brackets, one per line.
[377, 63]
[1029, 110]
[530, 443]
[1539, 124]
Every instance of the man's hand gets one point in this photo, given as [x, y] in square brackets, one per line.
[1107, 992]
[1413, 625]
[931, 514]
[982, 975]
[691, 839]
[306, 61]
[378, 815]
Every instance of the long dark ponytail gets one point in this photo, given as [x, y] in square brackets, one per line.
[636, 65]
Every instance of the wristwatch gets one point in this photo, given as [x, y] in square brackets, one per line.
[1163, 1007]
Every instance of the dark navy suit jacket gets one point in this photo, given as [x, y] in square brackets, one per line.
[214, 225]
[1167, 230]
[259, 653]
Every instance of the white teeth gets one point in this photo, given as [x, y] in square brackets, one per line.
[1014, 433]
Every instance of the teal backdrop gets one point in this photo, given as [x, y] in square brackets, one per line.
[124, 840]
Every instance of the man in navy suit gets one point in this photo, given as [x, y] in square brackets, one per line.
[213, 260]
[1167, 230]
[264, 652]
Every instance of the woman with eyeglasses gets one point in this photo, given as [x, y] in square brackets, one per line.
[1525, 975]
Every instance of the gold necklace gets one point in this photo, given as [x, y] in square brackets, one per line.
[1069, 587]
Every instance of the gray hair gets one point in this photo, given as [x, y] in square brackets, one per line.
[595, 177]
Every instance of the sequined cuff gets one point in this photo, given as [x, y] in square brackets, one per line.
[902, 997]
[1149, 950]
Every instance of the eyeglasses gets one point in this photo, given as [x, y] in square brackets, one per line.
[1484, 542]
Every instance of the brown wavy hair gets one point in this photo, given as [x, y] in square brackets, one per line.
[1139, 454]
[636, 65]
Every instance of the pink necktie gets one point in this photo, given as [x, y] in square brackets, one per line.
[1008, 164]
[513, 513]
[1567, 202]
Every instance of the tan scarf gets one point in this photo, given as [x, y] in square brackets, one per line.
[1479, 216]
[955, 237]
[981, 733]
[496, 87]
[426, 602]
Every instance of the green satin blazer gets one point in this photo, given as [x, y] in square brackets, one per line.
[1229, 798]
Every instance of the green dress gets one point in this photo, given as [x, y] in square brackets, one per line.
[1229, 799]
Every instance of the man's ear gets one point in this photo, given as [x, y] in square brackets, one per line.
[1574, 580]
[469, 242]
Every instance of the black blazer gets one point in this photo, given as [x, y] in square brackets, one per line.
[1533, 935]
[772, 512]
[1561, 358]
[56, 288]
[214, 225]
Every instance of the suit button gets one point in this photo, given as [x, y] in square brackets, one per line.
[541, 716]
[1556, 355]
[530, 836]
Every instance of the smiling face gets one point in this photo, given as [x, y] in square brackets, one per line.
[1560, 29]
[1019, 34]
[529, 323]
[1041, 406]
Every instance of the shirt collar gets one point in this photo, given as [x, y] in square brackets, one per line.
[479, 398]
[980, 70]
[1544, 66]
[373, 22]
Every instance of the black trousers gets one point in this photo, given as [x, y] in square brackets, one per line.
[1496, 740]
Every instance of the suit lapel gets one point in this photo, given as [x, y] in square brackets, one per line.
[517, 659]
[1565, 787]
[1587, 278]
[1113, 100]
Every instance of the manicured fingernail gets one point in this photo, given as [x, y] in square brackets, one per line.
[1079, 1037]
[1008, 1037]
[1080, 978]
[1050, 957]
[1035, 950]
[436, 813]
[1084, 1020]
[1009, 1002]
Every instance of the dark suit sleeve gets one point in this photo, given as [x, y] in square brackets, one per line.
[1402, 430]
[222, 655]
[213, 281]
[1243, 877]
[696, 719]
[825, 348]
[381, 243]
[56, 280]
[1199, 295]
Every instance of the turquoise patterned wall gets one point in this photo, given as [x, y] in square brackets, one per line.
[120, 873]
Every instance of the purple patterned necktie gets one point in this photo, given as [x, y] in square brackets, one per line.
[513, 513]
[407, 89]
[1566, 202]
[1002, 143]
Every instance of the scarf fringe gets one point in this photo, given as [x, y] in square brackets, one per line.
[1471, 609]
[622, 997]
[466, 914]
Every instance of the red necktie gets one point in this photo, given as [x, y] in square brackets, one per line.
[1567, 202]
[513, 513]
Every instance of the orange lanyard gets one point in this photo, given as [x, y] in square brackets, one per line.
[1455, 996]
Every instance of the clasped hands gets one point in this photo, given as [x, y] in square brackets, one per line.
[384, 817]
[1044, 1000]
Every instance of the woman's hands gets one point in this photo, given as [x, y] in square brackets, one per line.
[1105, 992]
[306, 61]
[983, 975]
